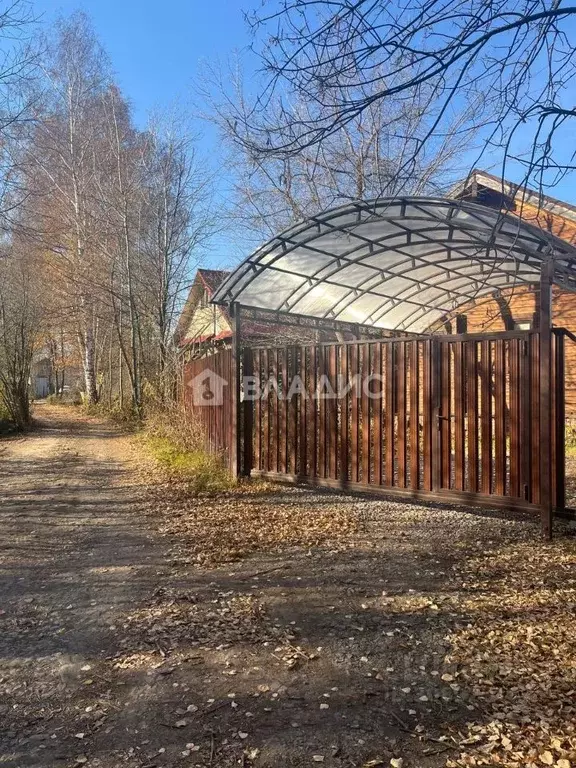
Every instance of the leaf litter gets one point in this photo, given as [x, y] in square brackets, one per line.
[516, 656]
[233, 525]
[502, 691]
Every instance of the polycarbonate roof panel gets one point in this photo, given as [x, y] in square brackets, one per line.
[399, 263]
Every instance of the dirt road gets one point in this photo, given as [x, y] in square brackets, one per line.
[74, 557]
[118, 650]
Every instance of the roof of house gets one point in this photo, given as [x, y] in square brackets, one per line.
[553, 215]
[210, 279]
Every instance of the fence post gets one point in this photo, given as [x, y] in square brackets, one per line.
[247, 421]
[545, 441]
[435, 400]
[235, 386]
[559, 422]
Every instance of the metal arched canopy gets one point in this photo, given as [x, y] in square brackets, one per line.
[396, 263]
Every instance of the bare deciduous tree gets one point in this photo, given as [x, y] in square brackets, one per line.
[62, 165]
[20, 321]
[180, 218]
[116, 215]
[519, 58]
[370, 155]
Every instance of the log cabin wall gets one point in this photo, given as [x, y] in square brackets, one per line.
[516, 309]
[490, 316]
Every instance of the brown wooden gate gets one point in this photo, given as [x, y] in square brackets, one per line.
[455, 417]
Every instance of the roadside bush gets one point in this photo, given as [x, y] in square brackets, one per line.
[199, 470]
[173, 422]
[176, 442]
[122, 414]
[6, 423]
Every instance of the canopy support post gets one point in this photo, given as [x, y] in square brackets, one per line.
[461, 324]
[236, 447]
[545, 437]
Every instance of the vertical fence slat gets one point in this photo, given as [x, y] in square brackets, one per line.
[389, 413]
[332, 415]
[265, 411]
[354, 426]
[459, 423]
[446, 415]
[472, 415]
[534, 363]
[257, 364]
[553, 425]
[514, 419]
[247, 423]
[401, 411]
[427, 406]
[559, 415]
[344, 415]
[414, 415]
[312, 412]
[274, 411]
[486, 417]
[365, 402]
[321, 382]
[377, 414]
[291, 413]
[499, 418]
[326, 403]
[302, 415]
[282, 411]
[436, 412]
[525, 393]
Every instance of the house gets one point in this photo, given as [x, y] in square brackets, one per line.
[55, 370]
[203, 326]
[548, 213]
[41, 375]
[516, 308]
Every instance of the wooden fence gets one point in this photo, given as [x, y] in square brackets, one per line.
[453, 417]
[208, 394]
[450, 416]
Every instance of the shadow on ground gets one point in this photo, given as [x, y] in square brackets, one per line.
[116, 652]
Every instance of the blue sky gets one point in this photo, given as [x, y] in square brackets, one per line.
[157, 50]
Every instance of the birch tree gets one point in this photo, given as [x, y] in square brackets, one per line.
[121, 198]
[118, 213]
[63, 164]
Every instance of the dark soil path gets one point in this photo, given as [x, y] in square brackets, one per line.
[118, 650]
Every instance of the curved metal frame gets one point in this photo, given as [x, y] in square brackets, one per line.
[489, 239]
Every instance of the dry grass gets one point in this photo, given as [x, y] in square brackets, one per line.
[173, 439]
[197, 472]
